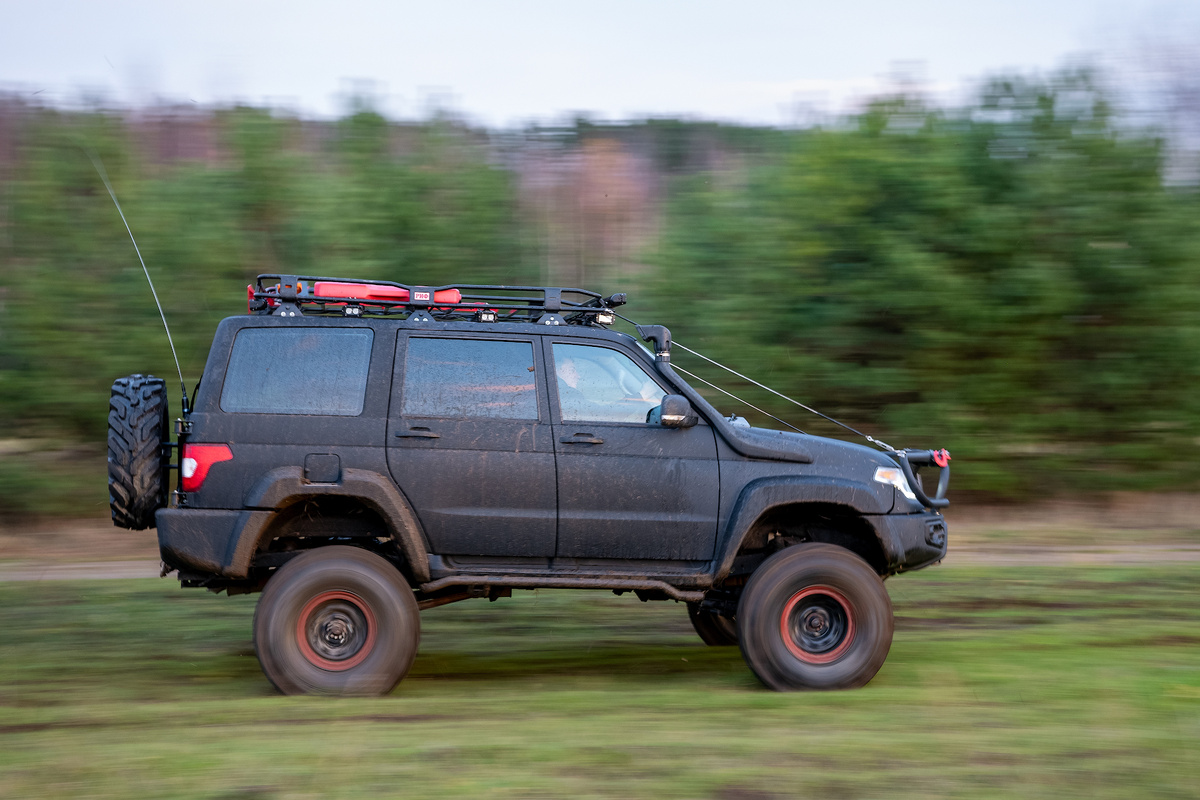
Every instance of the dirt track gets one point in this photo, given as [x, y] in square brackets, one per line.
[1124, 555]
[24, 571]
[1120, 530]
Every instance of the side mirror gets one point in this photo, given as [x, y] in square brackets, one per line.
[674, 412]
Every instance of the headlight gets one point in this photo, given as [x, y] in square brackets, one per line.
[893, 476]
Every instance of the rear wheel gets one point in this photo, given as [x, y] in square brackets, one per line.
[336, 620]
[137, 472]
[815, 616]
[715, 630]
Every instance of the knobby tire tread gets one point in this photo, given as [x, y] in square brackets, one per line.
[137, 420]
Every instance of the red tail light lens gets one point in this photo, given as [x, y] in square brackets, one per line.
[196, 461]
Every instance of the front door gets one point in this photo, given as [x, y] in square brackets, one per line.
[627, 489]
[470, 444]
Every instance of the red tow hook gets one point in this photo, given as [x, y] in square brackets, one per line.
[941, 457]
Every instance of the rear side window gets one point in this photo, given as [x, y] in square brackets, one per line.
[469, 378]
[298, 371]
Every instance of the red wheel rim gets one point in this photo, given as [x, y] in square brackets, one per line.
[826, 614]
[328, 619]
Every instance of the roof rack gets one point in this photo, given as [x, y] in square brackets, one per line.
[298, 295]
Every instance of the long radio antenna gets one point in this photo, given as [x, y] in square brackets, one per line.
[104, 177]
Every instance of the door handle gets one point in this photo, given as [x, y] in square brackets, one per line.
[581, 438]
[417, 433]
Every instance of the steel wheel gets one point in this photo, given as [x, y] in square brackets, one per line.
[336, 620]
[815, 616]
[817, 625]
[336, 631]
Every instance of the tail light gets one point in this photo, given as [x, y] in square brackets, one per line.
[197, 459]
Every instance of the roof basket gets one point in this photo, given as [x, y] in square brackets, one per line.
[298, 295]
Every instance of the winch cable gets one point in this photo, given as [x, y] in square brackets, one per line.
[871, 439]
[696, 377]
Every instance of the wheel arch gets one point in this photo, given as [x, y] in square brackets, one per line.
[283, 492]
[804, 509]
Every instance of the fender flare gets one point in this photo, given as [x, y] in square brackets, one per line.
[761, 495]
[284, 486]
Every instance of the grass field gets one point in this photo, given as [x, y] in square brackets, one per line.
[1002, 682]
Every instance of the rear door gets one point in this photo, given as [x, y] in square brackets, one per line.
[627, 489]
[471, 445]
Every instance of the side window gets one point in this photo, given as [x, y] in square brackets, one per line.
[469, 378]
[596, 384]
[298, 371]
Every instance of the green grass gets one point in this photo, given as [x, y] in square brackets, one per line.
[1002, 682]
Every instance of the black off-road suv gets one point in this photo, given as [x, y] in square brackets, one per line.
[361, 450]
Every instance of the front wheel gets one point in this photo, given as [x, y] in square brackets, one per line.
[815, 616]
[336, 620]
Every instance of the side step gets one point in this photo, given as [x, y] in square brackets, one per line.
[538, 582]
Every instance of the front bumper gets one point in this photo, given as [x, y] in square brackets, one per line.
[911, 541]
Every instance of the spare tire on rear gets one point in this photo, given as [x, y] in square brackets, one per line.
[137, 471]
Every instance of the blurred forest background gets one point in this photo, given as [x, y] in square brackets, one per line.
[1017, 280]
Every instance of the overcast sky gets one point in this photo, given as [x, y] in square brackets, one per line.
[505, 63]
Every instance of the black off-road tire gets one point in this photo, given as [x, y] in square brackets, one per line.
[137, 471]
[815, 616]
[336, 620]
[714, 630]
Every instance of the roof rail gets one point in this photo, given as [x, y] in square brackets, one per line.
[297, 295]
